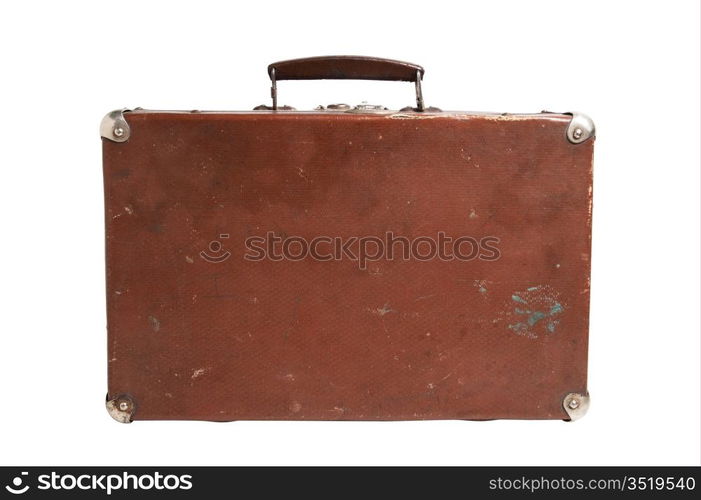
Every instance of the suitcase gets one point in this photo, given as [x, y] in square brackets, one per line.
[347, 263]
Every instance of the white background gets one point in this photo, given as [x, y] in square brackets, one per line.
[631, 65]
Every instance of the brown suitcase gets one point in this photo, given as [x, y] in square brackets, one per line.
[347, 263]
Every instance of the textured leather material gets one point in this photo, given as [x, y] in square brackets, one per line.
[198, 331]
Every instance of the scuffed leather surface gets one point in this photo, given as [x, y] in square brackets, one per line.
[191, 339]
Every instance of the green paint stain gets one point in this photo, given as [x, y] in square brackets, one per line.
[556, 309]
[535, 317]
[516, 298]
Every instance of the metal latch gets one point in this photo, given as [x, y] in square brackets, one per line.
[365, 107]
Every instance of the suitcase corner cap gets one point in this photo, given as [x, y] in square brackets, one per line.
[576, 405]
[121, 408]
[114, 126]
[581, 128]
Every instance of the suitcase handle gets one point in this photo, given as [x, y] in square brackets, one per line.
[346, 68]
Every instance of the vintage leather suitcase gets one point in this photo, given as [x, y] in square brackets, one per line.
[347, 263]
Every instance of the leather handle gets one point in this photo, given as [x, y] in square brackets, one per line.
[346, 68]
